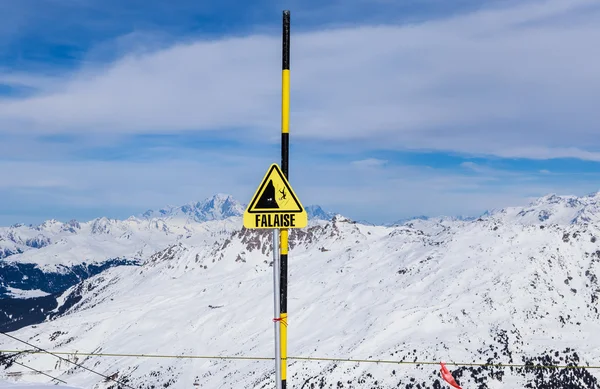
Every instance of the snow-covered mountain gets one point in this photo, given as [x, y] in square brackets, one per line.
[317, 213]
[122, 238]
[73, 242]
[14, 385]
[516, 286]
[218, 207]
[39, 262]
[438, 219]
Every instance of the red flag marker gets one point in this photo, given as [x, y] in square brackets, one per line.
[447, 376]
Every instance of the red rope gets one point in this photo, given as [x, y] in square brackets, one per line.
[281, 320]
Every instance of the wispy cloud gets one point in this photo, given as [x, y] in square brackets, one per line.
[378, 192]
[502, 82]
[547, 153]
[472, 166]
[369, 163]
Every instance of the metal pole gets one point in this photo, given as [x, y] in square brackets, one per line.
[276, 287]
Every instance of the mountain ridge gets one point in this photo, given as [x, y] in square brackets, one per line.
[17, 240]
[478, 291]
[222, 205]
[517, 286]
[216, 207]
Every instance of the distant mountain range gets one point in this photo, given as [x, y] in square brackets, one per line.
[517, 285]
[217, 207]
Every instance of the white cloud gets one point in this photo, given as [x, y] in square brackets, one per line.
[515, 82]
[369, 163]
[471, 166]
[546, 153]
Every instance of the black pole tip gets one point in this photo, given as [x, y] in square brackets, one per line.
[286, 40]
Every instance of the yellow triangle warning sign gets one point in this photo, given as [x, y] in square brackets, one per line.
[275, 205]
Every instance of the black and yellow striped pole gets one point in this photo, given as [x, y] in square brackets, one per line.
[276, 206]
[285, 147]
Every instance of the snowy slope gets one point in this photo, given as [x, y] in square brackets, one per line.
[39, 262]
[14, 385]
[103, 238]
[518, 285]
[100, 239]
[54, 243]
[557, 209]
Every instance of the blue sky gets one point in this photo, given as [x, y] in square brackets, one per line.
[398, 108]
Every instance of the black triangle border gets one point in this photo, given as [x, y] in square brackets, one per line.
[260, 189]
